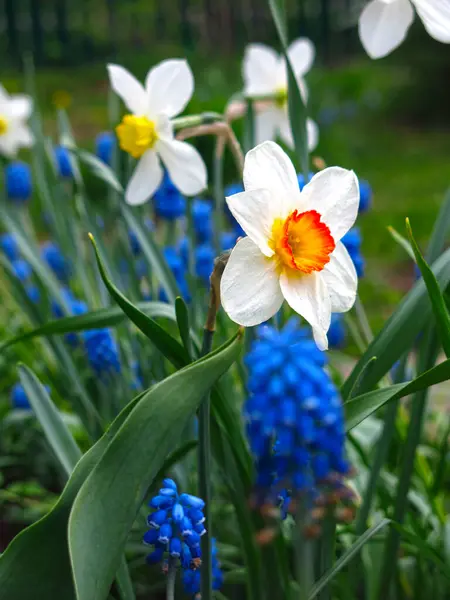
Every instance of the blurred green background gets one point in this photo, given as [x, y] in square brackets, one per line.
[386, 119]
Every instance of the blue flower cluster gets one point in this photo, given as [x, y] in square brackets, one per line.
[176, 526]
[365, 196]
[52, 255]
[191, 579]
[102, 351]
[105, 145]
[337, 333]
[169, 203]
[76, 307]
[18, 182]
[19, 398]
[294, 415]
[178, 266]
[352, 241]
[63, 162]
[20, 267]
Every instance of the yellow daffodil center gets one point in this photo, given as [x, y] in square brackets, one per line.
[281, 97]
[136, 135]
[3, 125]
[302, 242]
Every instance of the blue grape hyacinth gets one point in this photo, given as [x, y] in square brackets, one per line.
[19, 398]
[204, 262]
[63, 162]
[352, 241]
[76, 307]
[202, 218]
[22, 269]
[178, 267]
[191, 579]
[294, 416]
[169, 203]
[9, 245]
[337, 333]
[51, 254]
[365, 196]
[102, 351]
[105, 144]
[176, 526]
[18, 182]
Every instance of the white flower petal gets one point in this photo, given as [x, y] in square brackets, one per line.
[383, 25]
[185, 165]
[341, 279]
[301, 54]
[8, 145]
[268, 167]
[129, 89]
[258, 70]
[23, 136]
[20, 107]
[169, 86]
[334, 194]
[312, 131]
[254, 213]
[266, 124]
[308, 296]
[284, 130]
[435, 15]
[249, 289]
[145, 180]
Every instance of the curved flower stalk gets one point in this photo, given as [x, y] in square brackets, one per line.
[384, 24]
[146, 133]
[293, 250]
[15, 110]
[265, 74]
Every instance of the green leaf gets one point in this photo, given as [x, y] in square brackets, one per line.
[182, 315]
[41, 550]
[107, 504]
[357, 409]
[400, 330]
[403, 242]
[97, 167]
[437, 300]
[56, 431]
[440, 230]
[296, 106]
[162, 340]
[346, 557]
[152, 255]
[104, 317]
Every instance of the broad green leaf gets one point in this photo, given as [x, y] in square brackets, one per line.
[56, 431]
[41, 551]
[346, 557]
[357, 409]
[400, 330]
[97, 167]
[437, 300]
[182, 316]
[104, 317]
[107, 504]
[171, 349]
[403, 242]
[296, 105]
[152, 255]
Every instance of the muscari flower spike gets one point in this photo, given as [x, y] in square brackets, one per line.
[51, 254]
[191, 579]
[22, 269]
[337, 333]
[18, 182]
[63, 162]
[76, 307]
[365, 196]
[204, 262]
[178, 266]
[352, 241]
[169, 202]
[105, 145]
[19, 398]
[202, 218]
[176, 526]
[102, 351]
[9, 245]
[294, 417]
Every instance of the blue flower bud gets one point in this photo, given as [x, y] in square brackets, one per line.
[192, 501]
[192, 540]
[33, 293]
[204, 262]
[168, 201]
[227, 240]
[177, 513]
[175, 547]
[196, 516]
[352, 241]
[155, 556]
[165, 533]
[202, 211]
[186, 526]
[52, 255]
[200, 529]
[18, 181]
[9, 245]
[151, 537]
[167, 492]
[157, 518]
[19, 398]
[169, 483]
[22, 269]
[63, 161]
[102, 351]
[365, 196]
[336, 333]
[105, 144]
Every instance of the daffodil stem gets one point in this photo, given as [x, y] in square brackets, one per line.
[303, 554]
[196, 120]
[363, 320]
[171, 579]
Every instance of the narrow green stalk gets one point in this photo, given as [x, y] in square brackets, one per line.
[304, 555]
[218, 193]
[327, 543]
[171, 579]
[363, 320]
[196, 120]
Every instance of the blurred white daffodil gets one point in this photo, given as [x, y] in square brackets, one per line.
[15, 110]
[147, 132]
[265, 74]
[293, 250]
[383, 24]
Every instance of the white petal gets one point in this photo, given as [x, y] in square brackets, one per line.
[254, 213]
[312, 131]
[8, 145]
[341, 279]
[301, 54]
[266, 124]
[23, 136]
[249, 290]
[383, 25]
[169, 86]
[145, 180]
[268, 167]
[185, 165]
[129, 89]
[308, 296]
[334, 194]
[20, 106]
[435, 15]
[259, 70]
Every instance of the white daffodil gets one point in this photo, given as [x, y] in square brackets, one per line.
[14, 131]
[265, 74]
[293, 250]
[383, 24]
[147, 132]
